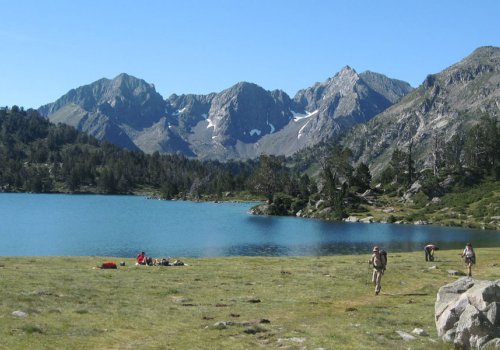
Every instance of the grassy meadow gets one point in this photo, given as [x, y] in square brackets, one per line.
[226, 303]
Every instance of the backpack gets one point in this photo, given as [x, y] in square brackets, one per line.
[108, 265]
[383, 257]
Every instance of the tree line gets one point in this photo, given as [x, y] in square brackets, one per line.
[38, 156]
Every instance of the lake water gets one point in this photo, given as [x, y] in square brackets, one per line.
[121, 226]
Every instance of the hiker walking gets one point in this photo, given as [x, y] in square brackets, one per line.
[429, 250]
[379, 262]
[470, 258]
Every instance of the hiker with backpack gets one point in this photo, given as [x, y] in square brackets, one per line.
[379, 262]
[470, 258]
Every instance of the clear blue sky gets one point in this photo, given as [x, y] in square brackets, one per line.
[185, 46]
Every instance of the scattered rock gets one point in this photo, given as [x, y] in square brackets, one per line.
[455, 273]
[351, 219]
[293, 339]
[420, 332]
[421, 222]
[389, 210]
[320, 203]
[255, 330]
[405, 336]
[19, 313]
[436, 200]
[222, 324]
[181, 300]
[254, 323]
[254, 300]
[367, 220]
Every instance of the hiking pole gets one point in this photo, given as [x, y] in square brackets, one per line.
[369, 274]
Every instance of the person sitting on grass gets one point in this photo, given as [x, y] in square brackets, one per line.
[141, 259]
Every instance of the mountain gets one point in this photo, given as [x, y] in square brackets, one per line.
[111, 110]
[243, 121]
[445, 104]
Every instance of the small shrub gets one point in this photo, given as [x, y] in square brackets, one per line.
[420, 200]
[30, 329]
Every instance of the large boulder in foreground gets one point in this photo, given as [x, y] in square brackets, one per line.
[467, 313]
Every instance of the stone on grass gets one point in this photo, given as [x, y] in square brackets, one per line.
[405, 336]
[19, 313]
[420, 332]
[455, 273]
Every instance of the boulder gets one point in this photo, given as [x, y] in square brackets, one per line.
[436, 200]
[492, 344]
[467, 313]
[352, 219]
[367, 220]
[421, 222]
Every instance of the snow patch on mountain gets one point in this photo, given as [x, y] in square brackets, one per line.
[299, 116]
[272, 127]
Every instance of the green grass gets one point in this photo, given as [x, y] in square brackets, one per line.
[309, 302]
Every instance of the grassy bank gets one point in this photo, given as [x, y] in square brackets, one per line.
[290, 303]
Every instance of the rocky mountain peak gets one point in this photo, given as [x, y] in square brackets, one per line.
[246, 112]
[346, 75]
[242, 121]
[445, 104]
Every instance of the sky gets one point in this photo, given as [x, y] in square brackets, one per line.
[49, 47]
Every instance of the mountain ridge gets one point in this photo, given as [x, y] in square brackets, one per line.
[445, 104]
[242, 121]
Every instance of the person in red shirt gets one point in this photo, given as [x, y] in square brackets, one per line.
[141, 259]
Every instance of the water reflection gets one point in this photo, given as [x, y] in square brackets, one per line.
[257, 250]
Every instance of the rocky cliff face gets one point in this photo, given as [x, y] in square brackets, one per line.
[445, 104]
[110, 109]
[345, 100]
[242, 121]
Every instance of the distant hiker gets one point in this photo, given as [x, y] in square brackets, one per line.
[429, 250]
[470, 258]
[379, 262]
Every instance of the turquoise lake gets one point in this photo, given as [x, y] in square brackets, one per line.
[121, 226]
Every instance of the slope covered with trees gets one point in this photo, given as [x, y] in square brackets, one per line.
[462, 187]
[37, 156]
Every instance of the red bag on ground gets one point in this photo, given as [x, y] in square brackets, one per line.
[108, 265]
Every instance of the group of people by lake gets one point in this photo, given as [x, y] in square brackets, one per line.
[379, 261]
[142, 259]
